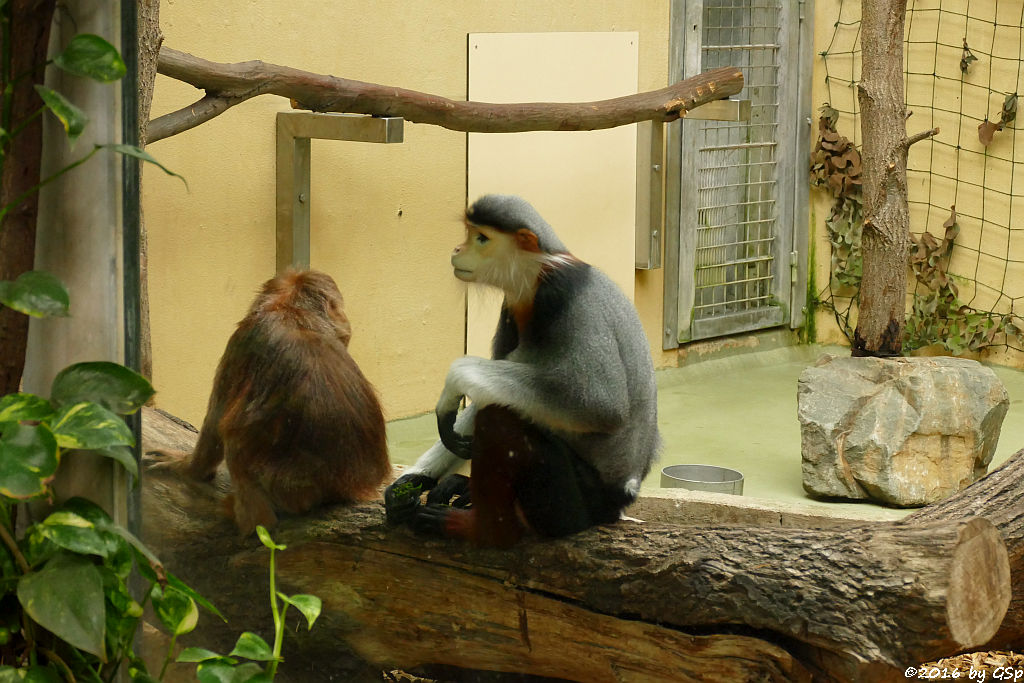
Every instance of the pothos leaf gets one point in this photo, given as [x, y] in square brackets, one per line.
[36, 293]
[93, 57]
[143, 155]
[66, 598]
[28, 460]
[71, 117]
[111, 385]
[18, 407]
[90, 426]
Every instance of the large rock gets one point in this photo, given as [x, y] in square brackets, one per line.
[902, 431]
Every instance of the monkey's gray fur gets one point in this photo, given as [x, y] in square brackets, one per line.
[581, 369]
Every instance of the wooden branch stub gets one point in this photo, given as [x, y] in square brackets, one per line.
[918, 137]
[228, 84]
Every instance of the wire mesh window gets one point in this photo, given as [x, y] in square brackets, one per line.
[737, 214]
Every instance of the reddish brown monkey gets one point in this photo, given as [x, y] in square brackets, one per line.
[291, 413]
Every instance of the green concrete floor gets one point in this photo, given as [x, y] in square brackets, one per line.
[739, 412]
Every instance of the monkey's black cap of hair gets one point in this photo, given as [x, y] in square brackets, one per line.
[510, 213]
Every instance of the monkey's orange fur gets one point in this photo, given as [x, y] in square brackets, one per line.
[291, 413]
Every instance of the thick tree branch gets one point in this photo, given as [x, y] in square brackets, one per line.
[202, 111]
[724, 596]
[229, 84]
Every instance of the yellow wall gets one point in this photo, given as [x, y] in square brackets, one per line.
[384, 217]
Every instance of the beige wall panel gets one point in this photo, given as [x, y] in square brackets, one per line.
[211, 246]
[583, 183]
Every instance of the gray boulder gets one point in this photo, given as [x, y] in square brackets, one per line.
[901, 431]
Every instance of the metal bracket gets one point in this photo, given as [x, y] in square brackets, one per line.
[650, 193]
[294, 131]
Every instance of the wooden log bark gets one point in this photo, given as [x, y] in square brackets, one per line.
[229, 84]
[630, 601]
[996, 497]
[28, 31]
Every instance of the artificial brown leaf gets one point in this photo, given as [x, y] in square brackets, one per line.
[1009, 112]
[952, 217]
[986, 129]
[829, 115]
[853, 156]
[966, 58]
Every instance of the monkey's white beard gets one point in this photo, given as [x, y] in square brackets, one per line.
[516, 275]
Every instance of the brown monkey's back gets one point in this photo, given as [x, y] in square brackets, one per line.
[300, 423]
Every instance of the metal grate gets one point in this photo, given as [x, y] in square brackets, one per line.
[737, 214]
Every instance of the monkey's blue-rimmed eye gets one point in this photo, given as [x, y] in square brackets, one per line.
[482, 238]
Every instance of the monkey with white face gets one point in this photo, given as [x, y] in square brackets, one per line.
[561, 427]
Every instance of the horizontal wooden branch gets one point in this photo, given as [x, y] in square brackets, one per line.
[229, 84]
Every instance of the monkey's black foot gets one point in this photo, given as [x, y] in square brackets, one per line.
[452, 490]
[402, 498]
[431, 520]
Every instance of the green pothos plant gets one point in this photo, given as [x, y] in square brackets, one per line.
[263, 657]
[68, 609]
[937, 315]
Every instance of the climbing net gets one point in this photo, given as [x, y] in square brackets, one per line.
[963, 69]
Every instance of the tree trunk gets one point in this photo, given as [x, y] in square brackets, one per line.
[886, 235]
[150, 40]
[28, 34]
[846, 602]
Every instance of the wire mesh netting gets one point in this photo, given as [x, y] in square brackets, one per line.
[962, 72]
[737, 214]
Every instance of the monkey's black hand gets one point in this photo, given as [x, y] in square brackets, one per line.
[402, 497]
[459, 444]
[431, 520]
[452, 490]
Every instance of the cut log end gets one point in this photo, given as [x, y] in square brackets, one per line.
[979, 584]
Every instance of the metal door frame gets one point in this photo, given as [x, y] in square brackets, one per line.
[790, 265]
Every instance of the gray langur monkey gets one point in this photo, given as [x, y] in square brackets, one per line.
[562, 425]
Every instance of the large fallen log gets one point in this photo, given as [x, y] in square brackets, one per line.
[999, 497]
[229, 84]
[630, 601]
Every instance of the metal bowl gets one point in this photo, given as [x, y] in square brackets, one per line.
[702, 478]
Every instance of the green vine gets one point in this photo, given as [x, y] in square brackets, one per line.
[937, 316]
